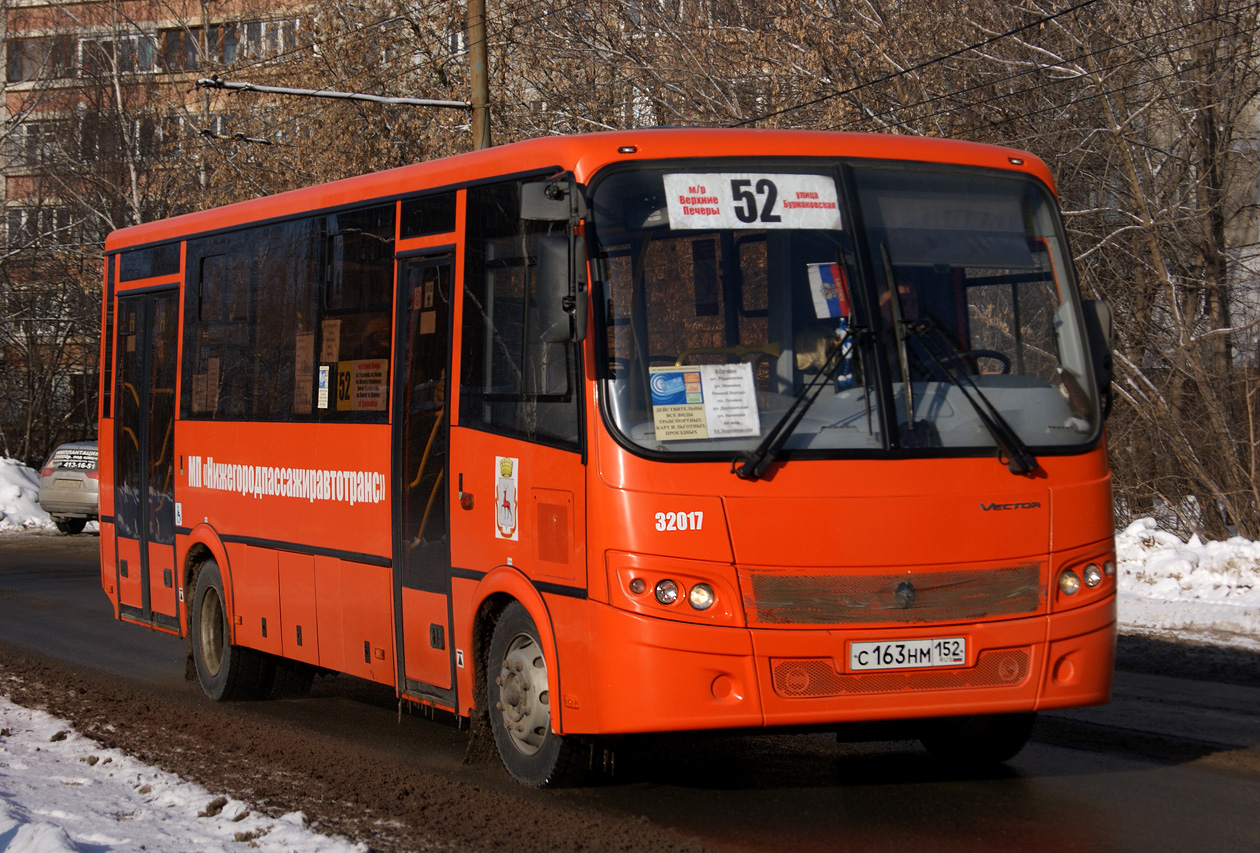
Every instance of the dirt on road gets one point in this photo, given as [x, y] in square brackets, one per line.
[367, 795]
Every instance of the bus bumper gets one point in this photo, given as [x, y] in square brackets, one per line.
[672, 676]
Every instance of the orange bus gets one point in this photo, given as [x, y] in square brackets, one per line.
[642, 431]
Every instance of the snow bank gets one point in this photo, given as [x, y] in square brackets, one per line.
[19, 498]
[63, 793]
[1193, 590]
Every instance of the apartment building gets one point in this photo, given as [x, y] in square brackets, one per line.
[102, 127]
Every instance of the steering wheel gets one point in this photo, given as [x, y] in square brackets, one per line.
[974, 356]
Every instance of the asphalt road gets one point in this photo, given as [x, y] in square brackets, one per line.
[1173, 763]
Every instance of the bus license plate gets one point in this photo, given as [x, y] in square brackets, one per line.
[907, 654]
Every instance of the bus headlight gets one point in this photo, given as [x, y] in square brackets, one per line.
[666, 592]
[1069, 582]
[701, 596]
[1093, 575]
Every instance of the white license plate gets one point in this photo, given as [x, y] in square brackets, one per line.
[908, 654]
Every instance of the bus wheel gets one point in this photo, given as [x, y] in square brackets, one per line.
[519, 702]
[978, 741]
[225, 671]
[290, 680]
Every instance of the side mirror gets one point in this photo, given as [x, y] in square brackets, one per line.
[556, 200]
[561, 273]
[561, 289]
[1098, 328]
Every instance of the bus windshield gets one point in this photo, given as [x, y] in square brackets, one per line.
[940, 298]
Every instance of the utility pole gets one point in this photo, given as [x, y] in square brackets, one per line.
[478, 74]
[204, 59]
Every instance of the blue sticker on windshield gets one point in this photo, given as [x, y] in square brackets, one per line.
[676, 388]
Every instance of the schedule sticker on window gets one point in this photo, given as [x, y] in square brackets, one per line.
[704, 401]
[751, 200]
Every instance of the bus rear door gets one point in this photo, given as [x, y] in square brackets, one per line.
[144, 475]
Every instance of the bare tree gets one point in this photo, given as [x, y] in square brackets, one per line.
[1146, 114]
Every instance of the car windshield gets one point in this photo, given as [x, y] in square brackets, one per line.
[727, 291]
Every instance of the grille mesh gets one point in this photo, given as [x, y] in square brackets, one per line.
[967, 594]
[814, 678]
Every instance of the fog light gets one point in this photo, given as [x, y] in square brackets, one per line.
[1093, 575]
[638, 586]
[701, 596]
[1069, 582]
[1109, 569]
[667, 592]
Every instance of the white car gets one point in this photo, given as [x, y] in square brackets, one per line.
[68, 486]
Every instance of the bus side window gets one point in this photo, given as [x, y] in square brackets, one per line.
[272, 308]
[218, 368]
[285, 259]
[512, 381]
[355, 330]
[250, 316]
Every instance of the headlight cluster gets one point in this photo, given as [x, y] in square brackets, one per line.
[1088, 577]
[701, 596]
[697, 591]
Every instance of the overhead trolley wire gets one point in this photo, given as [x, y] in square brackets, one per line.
[892, 111]
[1083, 99]
[889, 113]
[918, 67]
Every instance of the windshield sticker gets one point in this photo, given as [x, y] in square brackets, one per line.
[830, 290]
[749, 200]
[332, 339]
[704, 401]
[303, 367]
[361, 385]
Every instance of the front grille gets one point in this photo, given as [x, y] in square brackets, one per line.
[816, 678]
[949, 596]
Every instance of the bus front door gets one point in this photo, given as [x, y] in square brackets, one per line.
[144, 466]
[422, 429]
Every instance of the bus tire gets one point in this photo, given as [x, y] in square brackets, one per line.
[978, 741]
[290, 679]
[225, 671]
[519, 704]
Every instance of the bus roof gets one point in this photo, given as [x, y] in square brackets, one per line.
[583, 154]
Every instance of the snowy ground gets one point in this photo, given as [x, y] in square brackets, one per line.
[1205, 591]
[60, 792]
[19, 498]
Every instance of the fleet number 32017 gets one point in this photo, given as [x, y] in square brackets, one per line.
[679, 520]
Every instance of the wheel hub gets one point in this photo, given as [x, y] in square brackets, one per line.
[524, 701]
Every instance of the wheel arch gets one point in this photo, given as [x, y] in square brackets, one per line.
[498, 589]
[204, 545]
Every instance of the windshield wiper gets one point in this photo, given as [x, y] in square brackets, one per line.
[752, 466]
[1012, 451]
[899, 335]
